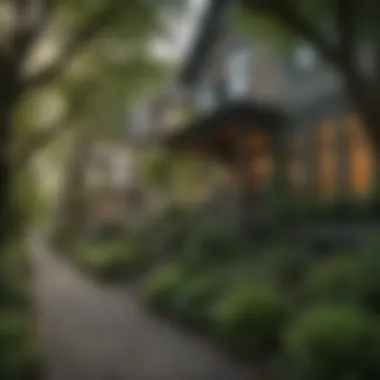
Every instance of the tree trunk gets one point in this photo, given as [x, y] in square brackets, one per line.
[10, 91]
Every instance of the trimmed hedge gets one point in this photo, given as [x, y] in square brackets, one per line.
[332, 280]
[161, 287]
[111, 261]
[250, 319]
[333, 341]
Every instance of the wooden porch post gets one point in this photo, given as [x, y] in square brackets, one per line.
[279, 190]
[244, 206]
[309, 133]
[241, 182]
[341, 144]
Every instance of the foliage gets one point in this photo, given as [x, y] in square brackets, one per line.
[218, 246]
[367, 281]
[156, 167]
[332, 341]
[162, 285]
[170, 231]
[283, 263]
[250, 319]
[332, 280]
[111, 261]
[19, 353]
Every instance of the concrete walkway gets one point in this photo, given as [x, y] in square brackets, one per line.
[91, 332]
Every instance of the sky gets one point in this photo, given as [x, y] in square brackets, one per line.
[182, 30]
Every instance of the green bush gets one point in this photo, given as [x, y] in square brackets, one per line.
[332, 341]
[161, 288]
[171, 229]
[250, 319]
[219, 246]
[193, 301]
[283, 264]
[17, 352]
[107, 233]
[367, 279]
[15, 281]
[332, 280]
[112, 261]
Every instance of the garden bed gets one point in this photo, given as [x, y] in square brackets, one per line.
[315, 317]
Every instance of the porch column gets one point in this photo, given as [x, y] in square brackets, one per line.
[309, 152]
[280, 190]
[341, 142]
[243, 206]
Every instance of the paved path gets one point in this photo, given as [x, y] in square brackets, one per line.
[91, 332]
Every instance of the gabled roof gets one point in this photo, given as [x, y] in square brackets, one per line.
[211, 26]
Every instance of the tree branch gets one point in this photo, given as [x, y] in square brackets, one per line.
[95, 24]
[346, 14]
[42, 139]
[287, 15]
[32, 17]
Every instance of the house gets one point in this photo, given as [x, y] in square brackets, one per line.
[115, 195]
[325, 152]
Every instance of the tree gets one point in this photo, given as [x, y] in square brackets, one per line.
[74, 27]
[103, 119]
[335, 28]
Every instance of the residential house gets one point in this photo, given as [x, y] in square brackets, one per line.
[326, 150]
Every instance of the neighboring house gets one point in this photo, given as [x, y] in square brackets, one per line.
[113, 181]
[328, 150]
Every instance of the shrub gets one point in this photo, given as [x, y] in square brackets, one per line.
[161, 287]
[221, 246]
[14, 280]
[17, 353]
[250, 319]
[172, 229]
[367, 279]
[331, 341]
[211, 246]
[193, 301]
[284, 264]
[332, 280]
[107, 233]
[111, 261]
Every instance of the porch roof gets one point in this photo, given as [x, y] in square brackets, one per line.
[239, 116]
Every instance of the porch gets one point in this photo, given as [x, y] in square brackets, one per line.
[273, 178]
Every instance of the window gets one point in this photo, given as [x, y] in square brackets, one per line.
[238, 70]
[305, 58]
[205, 96]
[360, 157]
